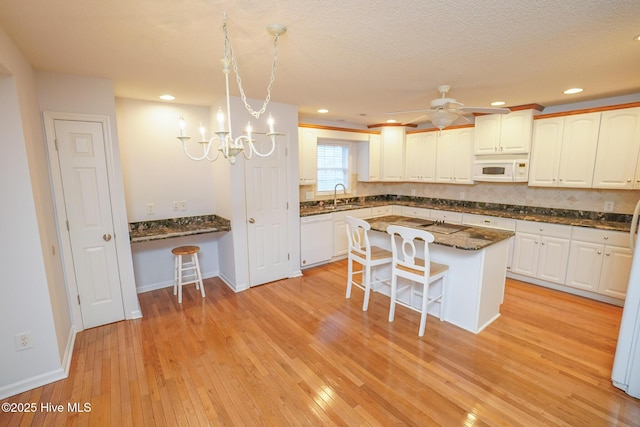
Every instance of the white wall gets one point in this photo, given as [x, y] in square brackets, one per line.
[32, 297]
[156, 170]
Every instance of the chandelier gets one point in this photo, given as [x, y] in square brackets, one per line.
[228, 146]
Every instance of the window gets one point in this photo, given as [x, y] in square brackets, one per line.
[333, 165]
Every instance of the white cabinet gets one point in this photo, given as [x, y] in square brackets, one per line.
[541, 250]
[420, 157]
[340, 242]
[447, 216]
[564, 151]
[381, 210]
[415, 212]
[503, 133]
[392, 154]
[618, 148]
[307, 156]
[369, 159]
[455, 156]
[600, 261]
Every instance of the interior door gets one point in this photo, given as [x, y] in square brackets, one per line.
[267, 213]
[83, 168]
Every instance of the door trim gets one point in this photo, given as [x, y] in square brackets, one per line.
[121, 228]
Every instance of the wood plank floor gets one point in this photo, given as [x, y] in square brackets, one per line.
[296, 352]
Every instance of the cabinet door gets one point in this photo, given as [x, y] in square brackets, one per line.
[516, 129]
[486, 137]
[446, 152]
[307, 155]
[369, 159]
[525, 254]
[585, 265]
[545, 154]
[392, 154]
[463, 156]
[420, 157]
[615, 271]
[552, 261]
[578, 154]
[340, 242]
[618, 147]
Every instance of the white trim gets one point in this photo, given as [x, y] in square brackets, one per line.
[68, 351]
[32, 382]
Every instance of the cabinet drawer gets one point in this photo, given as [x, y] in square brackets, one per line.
[489, 221]
[381, 210]
[605, 237]
[452, 217]
[416, 212]
[544, 229]
[356, 213]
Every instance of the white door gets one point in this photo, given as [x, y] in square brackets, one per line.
[83, 168]
[266, 201]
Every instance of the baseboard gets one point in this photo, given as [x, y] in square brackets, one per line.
[68, 351]
[161, 285]
[31, 383]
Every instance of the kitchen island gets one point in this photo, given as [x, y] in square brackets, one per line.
[477, 260]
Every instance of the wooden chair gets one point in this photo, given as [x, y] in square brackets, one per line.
[369, 257]
[186, 272]
[411, 261]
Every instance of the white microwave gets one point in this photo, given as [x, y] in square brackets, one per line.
[507, 170]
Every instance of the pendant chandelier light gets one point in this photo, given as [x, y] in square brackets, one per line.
[228, 146]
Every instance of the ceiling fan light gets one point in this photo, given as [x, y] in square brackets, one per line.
[441, 118]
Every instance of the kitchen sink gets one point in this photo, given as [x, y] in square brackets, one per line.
[344, 207]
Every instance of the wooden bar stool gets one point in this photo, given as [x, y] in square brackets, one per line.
[186, 272]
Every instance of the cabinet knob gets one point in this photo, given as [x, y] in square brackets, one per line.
[608, 253]
[536, 242]
[606, 237]
[628, 180]
[599, 252]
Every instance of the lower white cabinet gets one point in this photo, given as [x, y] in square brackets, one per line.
[446, 216]
[541, 250]
[340, 242]
[316, 239]
[600, 261]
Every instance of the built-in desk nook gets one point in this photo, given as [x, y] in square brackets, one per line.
[145, 231]
[477, 259]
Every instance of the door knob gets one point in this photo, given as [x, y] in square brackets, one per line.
[106, 237]
[251, 220]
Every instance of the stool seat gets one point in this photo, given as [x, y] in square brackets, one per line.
[189, 270]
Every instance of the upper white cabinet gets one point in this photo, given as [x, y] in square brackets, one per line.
[369, 159]
[618, 148]
[420, 156]
[503, 133]
[564, 151]
[392, 153]
[455, 156]
[307, 155]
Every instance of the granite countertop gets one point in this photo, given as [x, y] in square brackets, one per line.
[145, 231]
[599, 220]
[471, 238]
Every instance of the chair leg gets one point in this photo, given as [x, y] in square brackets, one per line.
[392, 301]
[198, 274]
[366, 279]
[349, 276]
[180, 279]
[423, 313]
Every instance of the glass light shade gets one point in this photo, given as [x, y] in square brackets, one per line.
[442, 118]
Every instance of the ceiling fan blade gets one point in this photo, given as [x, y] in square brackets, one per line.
[485, 110]
[408, 111]
[417, 118]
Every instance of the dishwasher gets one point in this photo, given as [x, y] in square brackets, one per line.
[316, 239]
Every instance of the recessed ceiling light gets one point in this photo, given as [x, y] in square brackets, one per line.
[323, 111]
[391, 121]
[167, 97]
[637, 38]
[498, 103]
[573, 90]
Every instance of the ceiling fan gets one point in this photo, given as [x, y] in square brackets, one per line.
[445, 111]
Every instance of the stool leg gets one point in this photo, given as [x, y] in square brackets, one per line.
[180, 280]
[198, 274]
[176, 271]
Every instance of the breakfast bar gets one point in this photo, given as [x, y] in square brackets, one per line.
[477, 260]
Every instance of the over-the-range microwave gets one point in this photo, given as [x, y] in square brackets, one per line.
[501, 170]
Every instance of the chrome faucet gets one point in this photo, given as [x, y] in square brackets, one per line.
[335, 193]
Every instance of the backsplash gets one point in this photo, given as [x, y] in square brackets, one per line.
[591, 200]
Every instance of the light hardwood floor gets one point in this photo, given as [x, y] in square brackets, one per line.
[296, 352]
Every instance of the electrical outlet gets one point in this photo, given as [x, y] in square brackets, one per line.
[23, 341]
[150, 209]
[183, 205]
[176, 205]
[462, 195]
[608, 206]
[413, 191]
[308, 195]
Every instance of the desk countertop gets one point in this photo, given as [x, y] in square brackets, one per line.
[470, 239]
[145, 231]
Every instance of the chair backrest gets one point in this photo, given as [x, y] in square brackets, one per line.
[407, 252]
[358, 237]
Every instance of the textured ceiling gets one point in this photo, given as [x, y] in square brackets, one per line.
[357, 58]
